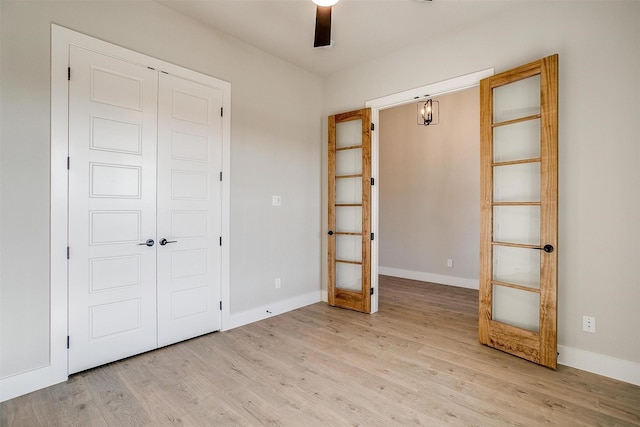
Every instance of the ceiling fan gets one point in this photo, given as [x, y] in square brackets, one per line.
[322, 36]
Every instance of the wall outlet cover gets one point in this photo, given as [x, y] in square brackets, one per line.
[589, 324]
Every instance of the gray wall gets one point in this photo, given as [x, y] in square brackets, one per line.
[277, 150]
[275, 132]
[430, 188]
[599, 143]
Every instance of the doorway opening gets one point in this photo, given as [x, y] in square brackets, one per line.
[377, 105]
[430, 191]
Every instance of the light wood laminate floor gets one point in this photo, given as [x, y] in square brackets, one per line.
[416, 362]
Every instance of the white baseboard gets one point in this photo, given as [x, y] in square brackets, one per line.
[595, 363]
[270, 310]
[600, 364]
[36, 379]
[33, 380]
[460, 282]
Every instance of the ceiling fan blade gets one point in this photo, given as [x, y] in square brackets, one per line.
[323, 26]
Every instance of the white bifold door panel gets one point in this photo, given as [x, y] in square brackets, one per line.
[189, 159]
[145, 155]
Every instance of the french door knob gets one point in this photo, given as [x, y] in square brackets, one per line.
[149, 243]
[330, 233]
[547, 248]
[164, 241]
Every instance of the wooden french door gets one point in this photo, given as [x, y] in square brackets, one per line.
[519, 211]
[349, 210]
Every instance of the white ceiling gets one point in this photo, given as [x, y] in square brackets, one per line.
[362, 29]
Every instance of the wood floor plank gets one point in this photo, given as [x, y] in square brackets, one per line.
[415, 362]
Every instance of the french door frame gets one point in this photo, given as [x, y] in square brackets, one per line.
[61, 39]
[406, 97]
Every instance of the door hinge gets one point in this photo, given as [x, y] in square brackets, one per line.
[68, 73]
[68, 163]
[220, 176]
[220, 240]
[221, 111]
[220, 305]
[373, 127]
[67, 252]
[371, 291]
[67, 341]
[373, 181]
[372, 236]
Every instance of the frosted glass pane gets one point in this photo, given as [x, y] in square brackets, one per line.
[516, 100]
[517, 183]
[517, 266]
[349, 162]
[349, 219]
[349, 133]
[349, 190]
[516, 224]
[349, 248]
[349, 276]
[516, 307]
[517, 141]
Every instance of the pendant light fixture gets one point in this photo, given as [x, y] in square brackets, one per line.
[426, 112]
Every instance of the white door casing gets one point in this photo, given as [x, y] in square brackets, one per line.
[189, 209]
[112, 186]
[62, 39]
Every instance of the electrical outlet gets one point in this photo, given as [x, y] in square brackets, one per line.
[278, 283]
[589, 324]
[276, 200]
[449, 262]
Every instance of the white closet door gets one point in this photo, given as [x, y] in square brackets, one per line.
[189, 209]
[112, 209]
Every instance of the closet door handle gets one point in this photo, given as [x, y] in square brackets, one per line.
[164, 241]
[149, 243]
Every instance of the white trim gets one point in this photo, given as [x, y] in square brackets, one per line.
[26, 382]
[225, 291]
[375, 205]
[595, 363]
[440, 88]
[434, 89]
[460, 282]
[61, 39]
[600, 364]
[270, 310]
[56, 371]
